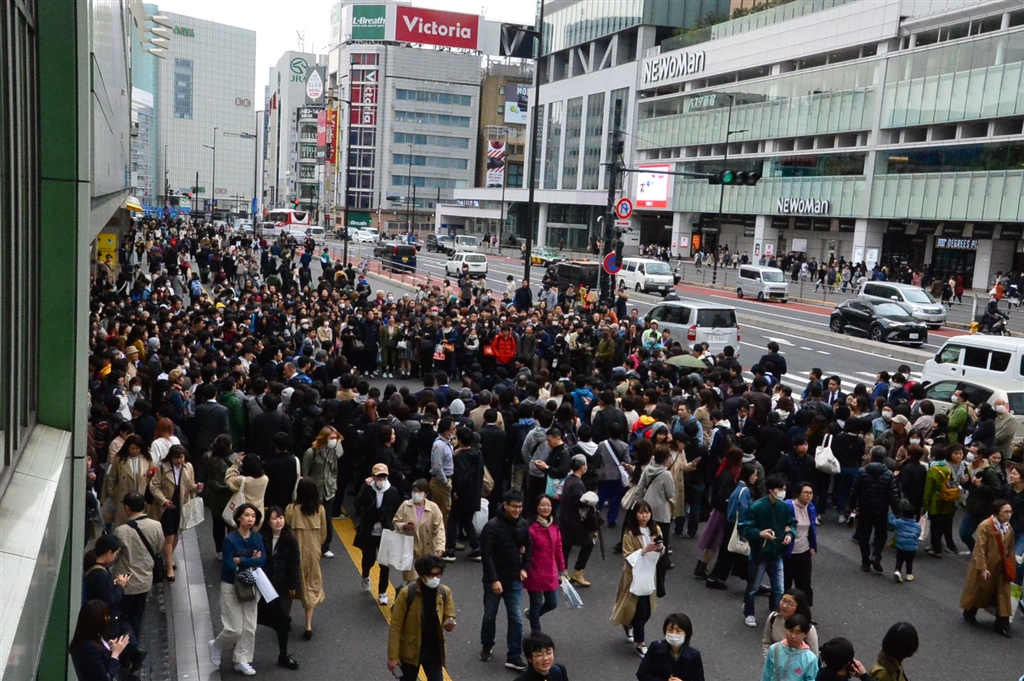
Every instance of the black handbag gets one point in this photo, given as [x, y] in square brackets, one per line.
[159, 567]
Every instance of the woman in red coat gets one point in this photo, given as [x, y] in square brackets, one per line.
[547, 564]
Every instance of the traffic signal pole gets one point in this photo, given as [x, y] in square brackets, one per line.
[609, 236]
[531, 179]
[721, 198]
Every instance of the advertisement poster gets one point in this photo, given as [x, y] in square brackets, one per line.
[315, 85]
[517, 96]
[496, 163]
[434, 27]
[652, 186]
[369, 22]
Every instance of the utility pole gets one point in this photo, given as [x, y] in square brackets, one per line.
[534, 143]
[195, 195]
[721, 197]
[609, 237]
[408, 196]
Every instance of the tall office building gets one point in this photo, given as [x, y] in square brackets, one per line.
[291, 149]
[206, 119]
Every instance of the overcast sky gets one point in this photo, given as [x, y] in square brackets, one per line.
[277, 22]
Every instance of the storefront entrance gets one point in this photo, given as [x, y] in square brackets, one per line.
[947, 261]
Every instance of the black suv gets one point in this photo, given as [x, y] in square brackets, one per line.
[440, 243]
[568, 273]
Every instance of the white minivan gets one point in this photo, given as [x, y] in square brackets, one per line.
[645, 274]
[692, 321]
[991, 360]
[763, 283]
[467, 244]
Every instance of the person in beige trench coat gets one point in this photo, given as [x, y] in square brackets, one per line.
[425, 525]
[308, 520]
[628, 611]
[679, 468]
[987, 583]
[130, 471]
[167, 503]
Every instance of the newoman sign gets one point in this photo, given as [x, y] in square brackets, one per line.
[802, 207]
[672, 66]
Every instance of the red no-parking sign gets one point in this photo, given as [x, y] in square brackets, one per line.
[610, 264]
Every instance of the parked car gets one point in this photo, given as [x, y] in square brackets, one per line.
[477, 263]
[885, 322]
[693, 321]
[646, 274]
[544, 256]
[440, 243]
[920, 303]
[763, 283]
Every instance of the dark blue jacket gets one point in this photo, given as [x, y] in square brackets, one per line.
[235, 546]
[93, 662]
[658, 664]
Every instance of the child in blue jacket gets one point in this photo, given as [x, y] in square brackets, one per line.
[908, 537]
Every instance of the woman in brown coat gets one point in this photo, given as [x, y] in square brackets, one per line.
[308, 521]
[173, 486]
[630, 611]
[130, 471]
[987, 581]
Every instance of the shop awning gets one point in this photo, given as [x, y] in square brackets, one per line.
[132, 204]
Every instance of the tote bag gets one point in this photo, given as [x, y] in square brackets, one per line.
[395, 550]
[236, 500]
[192, 513]
[737, 543]
[824, 460]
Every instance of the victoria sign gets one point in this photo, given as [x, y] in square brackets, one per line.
[433, 27]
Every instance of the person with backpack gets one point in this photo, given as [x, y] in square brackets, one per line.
[941, 492]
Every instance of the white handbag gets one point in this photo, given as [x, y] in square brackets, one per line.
[737, 543]
[824, 460]
[236, 500]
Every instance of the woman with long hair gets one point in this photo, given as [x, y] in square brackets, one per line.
[631, 611]
[130, 471]
[94, 657]
[308, 520]
[729, 563]
[547, 564]
[163, 440]
[217, 461]
[320, 464]
[172, 487]
[243, 549]
[283, 571]
[726, 479]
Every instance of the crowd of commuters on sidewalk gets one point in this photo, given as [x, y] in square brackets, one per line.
[220, 370]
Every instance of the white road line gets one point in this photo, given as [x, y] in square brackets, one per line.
[822, 352]
[780, 341]
[810, 340]
[804, 347]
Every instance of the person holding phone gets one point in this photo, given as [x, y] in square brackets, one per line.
[770, 526]
[423, 612]
[95, 657]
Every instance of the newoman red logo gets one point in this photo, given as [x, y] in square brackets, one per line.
[432, 27]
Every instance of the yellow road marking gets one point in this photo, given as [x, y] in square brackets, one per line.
[347, 532]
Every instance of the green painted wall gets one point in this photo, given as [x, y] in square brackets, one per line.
[54, 662]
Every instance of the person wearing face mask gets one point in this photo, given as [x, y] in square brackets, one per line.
[959, 417]
[770, 526]
[376, 505]
[673, 658]
[881, 424]
[422, 519]
[424, 610]
[320, 464]
[1006, 428]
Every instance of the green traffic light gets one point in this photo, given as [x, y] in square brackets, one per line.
[727, 177]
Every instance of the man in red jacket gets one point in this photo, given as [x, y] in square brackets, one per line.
[505, 349]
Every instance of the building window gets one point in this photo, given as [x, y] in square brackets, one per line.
[552, 155]
[427, 182]
[19, 228]
[431, 140]
[307, 151]
[430, 161]
[573, 126]
[501, 89]
[593, 141]
[433, 97]
[183, 88]
[515, 175]
[424, 118]
[307, 172]
[362, 137]
[501, 109]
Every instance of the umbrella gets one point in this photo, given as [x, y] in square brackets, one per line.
[687, 361]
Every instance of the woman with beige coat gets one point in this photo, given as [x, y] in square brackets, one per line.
[631, 612]
[308, 520]
[987, 581]
[422, 519]
[679, 468]
[173, 486]
[130, 471]
[248, 471]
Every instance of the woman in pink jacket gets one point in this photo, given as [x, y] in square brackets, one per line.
[547, 563]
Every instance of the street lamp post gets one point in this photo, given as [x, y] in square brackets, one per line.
[167, 182]
[408, 196]
[213, 205]
[721, 191]
[534, 142]
[337, 165]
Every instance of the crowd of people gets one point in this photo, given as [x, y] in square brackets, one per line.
[220, 370]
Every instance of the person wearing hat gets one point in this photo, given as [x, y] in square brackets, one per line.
[376, 505]
[895, 436]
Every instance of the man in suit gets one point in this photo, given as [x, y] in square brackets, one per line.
[743, 424]
[135, 559]
[211, 420]
[265, 425]
[835, 396]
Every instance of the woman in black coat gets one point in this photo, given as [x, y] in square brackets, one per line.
[376, 504]
[95, 660]
[467, 488]
[673, 656]
[283, 571]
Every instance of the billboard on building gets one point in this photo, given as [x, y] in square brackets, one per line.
[331, 137]
[434, 27]
[652, 186]
[517, 97]
[496, 163]
[316, 88]
[369, 22]
[321, 132]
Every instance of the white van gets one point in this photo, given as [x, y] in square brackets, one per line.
[691, 321]
[644, 274]
[993, 360]
[318, 234]
[763, 283]
[467, 244]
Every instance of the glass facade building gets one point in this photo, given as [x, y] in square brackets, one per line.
[907, 125]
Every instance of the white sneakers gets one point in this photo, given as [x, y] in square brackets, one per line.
[245, 669]
[214, 653]
[366, 583]
[750, 621]
[897, 577]
[328, 554]
[382, 599]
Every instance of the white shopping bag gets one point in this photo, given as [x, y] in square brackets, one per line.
[480, 517]
[263, 585]
[644, 572]
[926, 528]
[395, 550]
[192, 513]
[572, 596]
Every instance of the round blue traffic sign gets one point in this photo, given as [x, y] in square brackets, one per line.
[611, 265]
[623, 208]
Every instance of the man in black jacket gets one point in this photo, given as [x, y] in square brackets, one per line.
[848, 448]
[264, 426]
[211, 419]
[875, 491]
[608, 414]
[506, 551]
[494, 445]
[282, 469]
